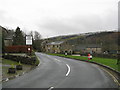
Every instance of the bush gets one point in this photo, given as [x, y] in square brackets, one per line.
[18, 67]
[11, 70]
[22, 59]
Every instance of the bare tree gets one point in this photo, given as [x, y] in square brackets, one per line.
[37, 35]
[37, 41]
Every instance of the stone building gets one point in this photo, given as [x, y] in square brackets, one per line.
[94, 49]
[7, 36]
[43, 45]
[8, 41]
[89, 48]
[58, 47]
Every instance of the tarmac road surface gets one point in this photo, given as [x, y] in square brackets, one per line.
[59, 72]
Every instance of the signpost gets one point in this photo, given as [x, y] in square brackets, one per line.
[28, 40]
[29, 43]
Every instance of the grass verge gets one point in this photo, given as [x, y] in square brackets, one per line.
[7, 64]
[37, 60]
[105, 61]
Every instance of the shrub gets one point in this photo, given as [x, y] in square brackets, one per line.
[22, 59]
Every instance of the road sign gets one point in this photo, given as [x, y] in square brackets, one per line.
[28, 40]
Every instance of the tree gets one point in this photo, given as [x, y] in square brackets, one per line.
[18, 38]
[31, 33]
[37, 41]
[37, 35]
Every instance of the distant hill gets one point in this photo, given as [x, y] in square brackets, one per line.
[107, 39]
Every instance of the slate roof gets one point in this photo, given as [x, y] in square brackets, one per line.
[93, 46]
[55, 43]
[82, 46]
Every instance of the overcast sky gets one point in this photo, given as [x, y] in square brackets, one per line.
[59, 17]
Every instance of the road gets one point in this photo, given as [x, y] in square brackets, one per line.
[59, 72]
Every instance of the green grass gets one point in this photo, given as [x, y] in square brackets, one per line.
[105, 61]
[9, 62]
[37, 61]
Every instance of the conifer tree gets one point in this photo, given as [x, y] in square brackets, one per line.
[18, 38]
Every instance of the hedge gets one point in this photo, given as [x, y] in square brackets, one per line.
[22, 59]
[17, 49]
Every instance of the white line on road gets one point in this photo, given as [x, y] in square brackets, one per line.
[16, 75]
[68, 70]
[57, 60]
[39, 60]
[50, 88]
[7, 79]
[48, 56]
[23, 73]
[39, 64]
[115, 80]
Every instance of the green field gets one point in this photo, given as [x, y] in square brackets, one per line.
[105, 61]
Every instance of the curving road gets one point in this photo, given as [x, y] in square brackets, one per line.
[58, 72]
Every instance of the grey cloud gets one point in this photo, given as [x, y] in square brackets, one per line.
[6, 20]
[59, 27]
[78, 24]
[2, 15]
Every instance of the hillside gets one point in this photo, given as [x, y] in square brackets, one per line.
[108, 40]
